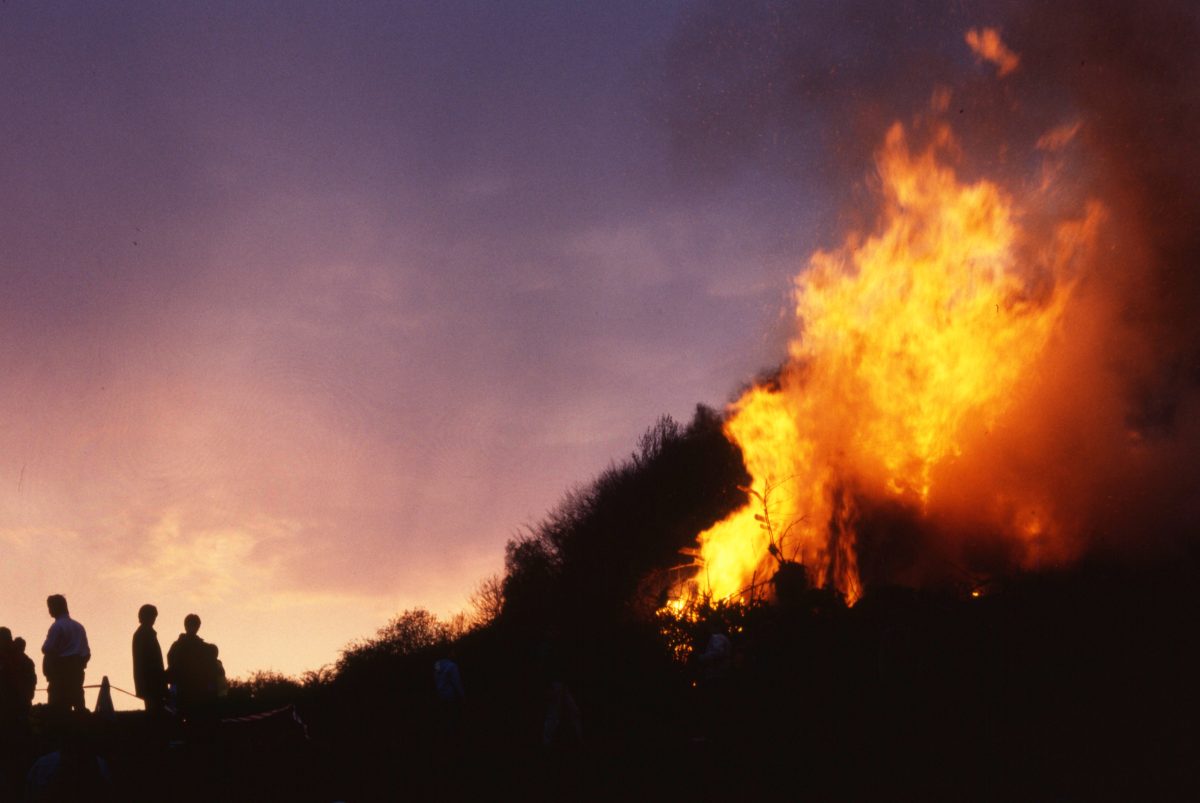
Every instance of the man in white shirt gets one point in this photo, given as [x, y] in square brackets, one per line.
[66, 655]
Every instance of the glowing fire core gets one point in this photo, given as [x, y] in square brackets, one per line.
[912, 344]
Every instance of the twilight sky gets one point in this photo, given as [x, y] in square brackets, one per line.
[306, 308]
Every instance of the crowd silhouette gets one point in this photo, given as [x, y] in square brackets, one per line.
[179, 696]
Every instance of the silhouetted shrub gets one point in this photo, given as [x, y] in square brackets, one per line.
[411, 632]
[264, 689]
[586, 560]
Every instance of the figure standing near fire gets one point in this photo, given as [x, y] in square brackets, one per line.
[149, 676]
[24, 676]
[447, 682]
[717, 656]
[192, 669]
[65, 657]
[8, 684]
[715, 664]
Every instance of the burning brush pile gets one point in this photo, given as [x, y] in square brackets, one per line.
[969, 387]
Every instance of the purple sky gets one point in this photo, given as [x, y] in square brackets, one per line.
[305, 309]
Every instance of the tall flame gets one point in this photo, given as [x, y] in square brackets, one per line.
[912, 342]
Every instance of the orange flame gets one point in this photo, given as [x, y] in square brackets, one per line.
[989, 47]
[912, 343]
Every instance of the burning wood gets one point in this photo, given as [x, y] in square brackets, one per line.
[913, 343]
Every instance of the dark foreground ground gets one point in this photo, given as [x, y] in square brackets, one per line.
[1073, 686]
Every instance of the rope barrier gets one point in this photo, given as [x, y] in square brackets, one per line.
[256, 717]
[97, 686]
[228, 720]
[266, 714]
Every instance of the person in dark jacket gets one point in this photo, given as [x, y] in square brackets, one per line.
[25, 676]
[8, 682]
[149, 676]
[190, 669]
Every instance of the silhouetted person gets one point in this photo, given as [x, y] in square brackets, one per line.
[25, 676]
[10, 707]
[65, 656]
[191, 669]
[218, 684]
[447, 682]
[717, 657]
[715, 663]
[562, 725]
[149, 676]
[8, 685]
[74, 772]
[17, 682]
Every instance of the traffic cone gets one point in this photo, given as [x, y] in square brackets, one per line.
[104, 703]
